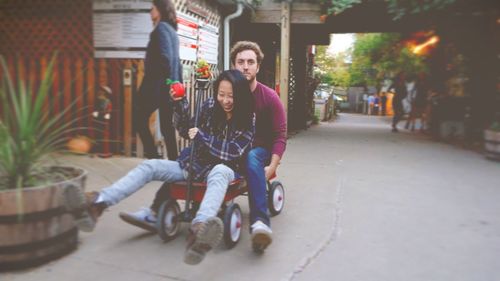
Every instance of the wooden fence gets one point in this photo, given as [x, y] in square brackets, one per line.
[76, 83]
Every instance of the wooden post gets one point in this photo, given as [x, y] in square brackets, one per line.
[127, 109]
[285, 53]
[43, 68]
[67, 95]
[90, 97]
[56, 88]
[79, 94]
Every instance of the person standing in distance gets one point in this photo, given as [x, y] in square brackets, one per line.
[162, 63]
[269, 143]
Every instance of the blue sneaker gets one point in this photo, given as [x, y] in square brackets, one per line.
[145, 218]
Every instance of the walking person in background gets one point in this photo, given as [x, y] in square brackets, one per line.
[162, 63]
[383, 103]
[371, 101]
[225, 133]
[376, 104]
[397, 100]
[418, 104]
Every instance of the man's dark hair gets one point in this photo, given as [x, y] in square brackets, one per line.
[241, 46]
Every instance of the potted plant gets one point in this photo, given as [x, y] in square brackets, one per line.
[492, 141]
[34, 224]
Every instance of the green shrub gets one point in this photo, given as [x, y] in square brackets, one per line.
[28, 132]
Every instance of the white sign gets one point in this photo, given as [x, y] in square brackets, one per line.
[187, 48]
[121, 28]
[187, 29]
[121, 4]
[208, 43]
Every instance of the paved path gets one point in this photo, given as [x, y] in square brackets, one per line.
[362, 204]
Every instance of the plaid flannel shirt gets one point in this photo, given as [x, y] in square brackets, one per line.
[226, 146]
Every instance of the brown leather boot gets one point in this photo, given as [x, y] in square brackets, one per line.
[94, 209]
[83, 207]
[203, 237]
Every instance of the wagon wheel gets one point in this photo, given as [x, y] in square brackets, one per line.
[232, 225]
[276, 198]
[168, 222]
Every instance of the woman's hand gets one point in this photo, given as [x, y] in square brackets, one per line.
[173, 95]
[192, 132]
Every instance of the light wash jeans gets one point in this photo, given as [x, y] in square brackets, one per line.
[170, 171]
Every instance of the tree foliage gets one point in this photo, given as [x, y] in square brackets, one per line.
[378, 56]
[401, 8]
[374, 56]
[397, 8]
[334, 7]
[332, 70]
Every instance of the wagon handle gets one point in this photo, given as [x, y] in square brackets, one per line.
[201, 87]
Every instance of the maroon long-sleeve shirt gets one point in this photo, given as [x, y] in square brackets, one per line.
[270, 120]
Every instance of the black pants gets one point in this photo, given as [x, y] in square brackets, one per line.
[398, 113]
[144, 105]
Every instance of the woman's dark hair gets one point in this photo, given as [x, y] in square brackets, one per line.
[243, 103]
[167, 11]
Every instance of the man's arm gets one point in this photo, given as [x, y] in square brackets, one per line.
[279, 133]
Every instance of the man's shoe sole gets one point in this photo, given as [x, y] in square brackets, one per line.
[208, 237]
[129, 219]
[76, 203]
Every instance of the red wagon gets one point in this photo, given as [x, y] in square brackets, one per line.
[170, 215]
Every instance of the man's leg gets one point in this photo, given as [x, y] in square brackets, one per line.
[206, 228]
[260, 223]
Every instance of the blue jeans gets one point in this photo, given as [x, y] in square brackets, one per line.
[169, 171]
[257, 159]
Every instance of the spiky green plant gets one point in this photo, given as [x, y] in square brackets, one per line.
[28, 132]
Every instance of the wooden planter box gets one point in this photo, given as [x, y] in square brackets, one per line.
[492, 144]
[44, 231]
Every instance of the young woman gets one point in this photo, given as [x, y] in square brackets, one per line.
[225, 133]
[162, 62]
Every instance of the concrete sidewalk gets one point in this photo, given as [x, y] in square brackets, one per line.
[361, 204]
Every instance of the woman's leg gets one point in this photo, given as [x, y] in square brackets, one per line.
[206, 228]
[147, 171]
[142, 110]
[167, 128]
[217, 182]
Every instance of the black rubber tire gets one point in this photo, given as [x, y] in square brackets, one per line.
[168, 223]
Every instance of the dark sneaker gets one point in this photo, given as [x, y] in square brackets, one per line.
[144, 218]
[261, 236]
[202, 238]
[83, 207]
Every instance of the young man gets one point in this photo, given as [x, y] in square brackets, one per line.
[269, 143]
[268, 147]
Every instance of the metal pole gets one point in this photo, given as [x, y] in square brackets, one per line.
[201, 86]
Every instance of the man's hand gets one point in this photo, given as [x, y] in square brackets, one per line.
[192, 132]
[270, 171]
